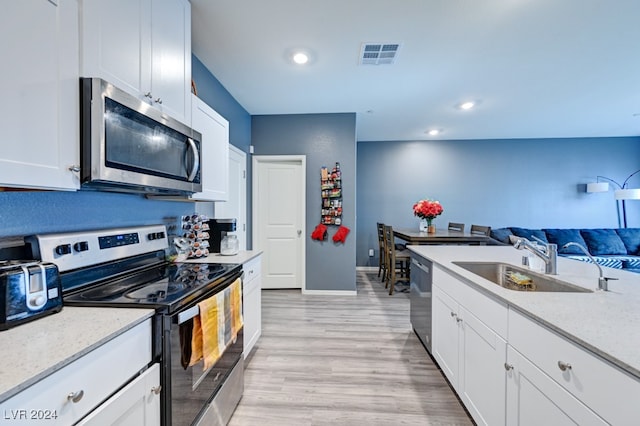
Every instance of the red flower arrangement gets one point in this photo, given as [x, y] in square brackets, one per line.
[427, 210]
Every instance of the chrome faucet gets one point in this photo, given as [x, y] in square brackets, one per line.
[549, 254]
[603, 282]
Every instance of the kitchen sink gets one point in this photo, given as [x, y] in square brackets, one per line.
[520, 279]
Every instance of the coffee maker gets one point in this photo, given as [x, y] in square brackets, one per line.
[218, 229]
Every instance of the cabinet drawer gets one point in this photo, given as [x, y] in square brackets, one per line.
[138, 403]
[492, 313]
[252, 269]
[95, 376]
[598, 384]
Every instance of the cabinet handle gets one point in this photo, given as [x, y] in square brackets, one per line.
[156, 389]
[508, 367]
[458, 320]
[148, 95]
[564, 366]
[453, 315]
[158, 101]
[75, 396]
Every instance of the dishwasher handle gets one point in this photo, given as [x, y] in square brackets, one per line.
[425, 268]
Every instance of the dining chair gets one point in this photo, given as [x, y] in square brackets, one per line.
[458, 227]
[382, 258]
[480, 230]
[398, 261]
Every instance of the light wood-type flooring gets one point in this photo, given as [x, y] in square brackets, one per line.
[343, 360]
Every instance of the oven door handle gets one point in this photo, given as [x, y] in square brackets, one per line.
[187, 314]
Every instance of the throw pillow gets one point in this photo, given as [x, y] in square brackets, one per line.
[527, 233]
[631, 239]
[501, 234]
[564, 236]
[603, 242]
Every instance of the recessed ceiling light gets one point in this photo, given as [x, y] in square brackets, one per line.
[467, 105]
[433, 132]
[300, 58]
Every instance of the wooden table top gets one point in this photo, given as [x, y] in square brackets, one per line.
[441, 236]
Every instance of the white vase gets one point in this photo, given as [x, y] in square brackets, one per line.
[423, 225]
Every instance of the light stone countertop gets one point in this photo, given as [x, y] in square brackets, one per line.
[242, 257]
[605, 322]
[32, 351]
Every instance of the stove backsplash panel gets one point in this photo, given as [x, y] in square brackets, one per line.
[27, 213]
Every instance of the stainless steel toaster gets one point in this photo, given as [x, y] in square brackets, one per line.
[29, 290]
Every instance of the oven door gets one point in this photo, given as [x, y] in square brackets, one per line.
[190, 389]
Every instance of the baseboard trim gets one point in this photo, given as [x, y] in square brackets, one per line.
[367, 268]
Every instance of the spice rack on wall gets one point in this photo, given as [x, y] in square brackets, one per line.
[331, 190]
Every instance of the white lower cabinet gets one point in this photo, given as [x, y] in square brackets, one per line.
[480, 388]
[75, 390]
[593, 381]
[508, 368]
[534, 399]
[252, 303]
[462, 342]
[137, 404]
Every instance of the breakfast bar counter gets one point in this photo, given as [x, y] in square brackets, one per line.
[605, 322]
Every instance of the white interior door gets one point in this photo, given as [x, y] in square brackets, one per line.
[278, 219]
[236, 205]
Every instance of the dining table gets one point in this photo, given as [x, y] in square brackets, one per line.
[441, 236]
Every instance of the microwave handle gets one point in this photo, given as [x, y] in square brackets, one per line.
[196, 160]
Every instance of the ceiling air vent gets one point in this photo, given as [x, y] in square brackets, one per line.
[379, 53]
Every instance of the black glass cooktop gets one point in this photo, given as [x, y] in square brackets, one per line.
[159, 286]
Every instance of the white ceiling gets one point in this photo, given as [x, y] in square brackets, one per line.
[537, 68]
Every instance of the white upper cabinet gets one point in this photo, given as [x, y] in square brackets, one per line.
[142, 47]
[215, 151]
[40, 108]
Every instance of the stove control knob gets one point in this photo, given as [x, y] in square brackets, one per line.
[63, 249]
[151, 236]
[81, 246]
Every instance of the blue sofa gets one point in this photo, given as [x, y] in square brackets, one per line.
[615, 248]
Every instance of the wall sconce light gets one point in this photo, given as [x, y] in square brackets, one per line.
[623, 192]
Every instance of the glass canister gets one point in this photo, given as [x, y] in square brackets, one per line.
[229, 245]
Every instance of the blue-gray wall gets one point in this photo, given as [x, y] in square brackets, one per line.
[33, 212]
[325, 139]
[536, 183]
[214, 94]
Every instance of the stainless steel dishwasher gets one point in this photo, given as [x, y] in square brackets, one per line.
[420, 297]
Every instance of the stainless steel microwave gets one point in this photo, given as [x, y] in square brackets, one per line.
[129, 146]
